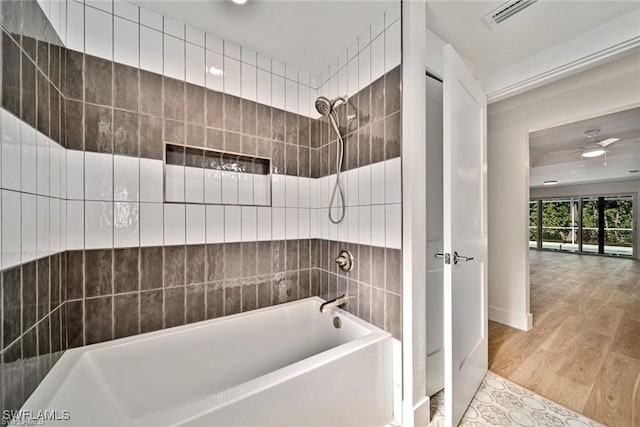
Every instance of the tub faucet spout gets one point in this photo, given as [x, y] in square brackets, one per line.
[336, 302]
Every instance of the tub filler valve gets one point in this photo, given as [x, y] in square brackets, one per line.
[336, 302]
[345, 261]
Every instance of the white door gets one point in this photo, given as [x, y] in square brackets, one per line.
[465, 236]
[435, 270]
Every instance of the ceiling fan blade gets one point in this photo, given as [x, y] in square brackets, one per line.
[608, 142]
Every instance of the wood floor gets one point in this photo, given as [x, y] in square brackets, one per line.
[584, 348]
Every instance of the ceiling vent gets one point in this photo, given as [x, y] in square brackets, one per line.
[506, 11]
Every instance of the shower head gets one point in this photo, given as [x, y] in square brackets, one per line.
[325, 105]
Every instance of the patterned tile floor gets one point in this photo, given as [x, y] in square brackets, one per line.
[499, 402]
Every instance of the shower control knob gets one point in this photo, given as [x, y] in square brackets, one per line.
[345, 261]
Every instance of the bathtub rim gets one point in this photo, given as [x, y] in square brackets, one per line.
[51, 383]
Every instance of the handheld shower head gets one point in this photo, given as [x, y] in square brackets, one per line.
[324, 105]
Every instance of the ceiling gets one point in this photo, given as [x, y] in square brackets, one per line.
[532, 30]
[308, 34]
[554, 153]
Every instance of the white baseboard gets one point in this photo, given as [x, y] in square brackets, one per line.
[509, 318]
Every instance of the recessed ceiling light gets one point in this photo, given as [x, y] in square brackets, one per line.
[631, 172]
[551, 182]
[595, 152]
[239, 1]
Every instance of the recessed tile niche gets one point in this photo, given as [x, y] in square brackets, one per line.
[197, 175]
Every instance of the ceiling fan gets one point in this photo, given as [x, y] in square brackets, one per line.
[594, 148]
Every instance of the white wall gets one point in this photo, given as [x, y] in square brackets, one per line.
[607, 88]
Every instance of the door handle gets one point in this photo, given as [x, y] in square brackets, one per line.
[457, 258]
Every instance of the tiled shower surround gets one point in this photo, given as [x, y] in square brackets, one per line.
[126, 261]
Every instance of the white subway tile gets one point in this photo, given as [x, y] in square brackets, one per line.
[249, 224]
[75, 174]
[151, 224]
[249, 81]
[291, 73]
[324, 223]
[232, 50]
[29, 162]
[55, 170]
[313, 193]
[364, 38]
[304, 192]
[291, 185]
[215, 71]
[393, 181]
[304, 101]
[42, 160]
[353, 187]
[126, 224]
[63, 172]
[98, 29]
[343, 81]
[352, 224]
[11, 206]
[264, 62]
[364, 67]
[195, 36]
[393, 221]
[28, 227]
[304, 217]
[214, 43]
[174, 183]
[151, 180]
[278, 190]
[278, 223]
[11, 156]
[291, 227]
[174, 28]
[277, 67]
[377, 57]
[377, 183]
[343, 226]
[232, 224]
[364, 225]
[364, 181]
[291, 91]
[98, 224]
[174, 57]
[232, 84]
[75, 26]
[98, 176]
[196, 224]
[245, 189]
[194, 185]
[75, 225]
[195, 64]
[215, 224]
[174, 224]
[333, 86]
[126, 186]
[125, 9]
[260, 189]
[229, 188]
[313, 224]
[277, 92]
[249, 56]
[63, 225]
[392, 48]
[126, 48]
[333, 228]
[353, 77]
[264, 224]
[151, 19]
[378, 225]
[264, 87]
[151, 50]
[212, 186]
[54, 225]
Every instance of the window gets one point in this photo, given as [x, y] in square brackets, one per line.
[593, 225]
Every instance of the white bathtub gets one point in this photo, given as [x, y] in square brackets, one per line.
[285, 365]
